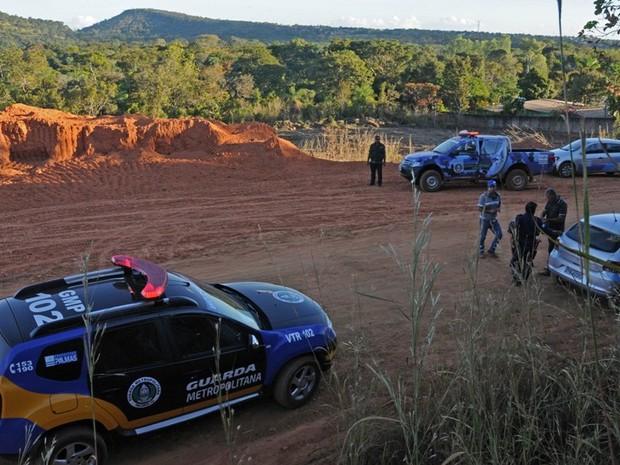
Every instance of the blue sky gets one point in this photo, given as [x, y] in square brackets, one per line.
[508, 16]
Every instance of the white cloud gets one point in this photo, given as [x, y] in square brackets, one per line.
[78, 22]
[457, 23]
[396, 22]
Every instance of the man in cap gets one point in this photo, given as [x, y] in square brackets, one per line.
[554, 220]
[489, 205]
[376, 161]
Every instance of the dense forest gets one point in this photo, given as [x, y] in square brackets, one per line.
[233, 79]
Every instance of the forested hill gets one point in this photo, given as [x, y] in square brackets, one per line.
[147, 25]
[21, 32]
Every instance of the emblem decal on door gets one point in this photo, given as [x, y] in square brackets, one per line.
[143, 392]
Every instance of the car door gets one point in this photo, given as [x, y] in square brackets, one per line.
[134, 372]
[612, 162]
[218, 360]
[465, 159]
[595, 158]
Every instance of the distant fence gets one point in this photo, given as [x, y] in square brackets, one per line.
[556, 124]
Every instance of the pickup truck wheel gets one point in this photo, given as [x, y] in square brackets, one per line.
[73, 446]
[297, 382]
[566, 169]
[517, 180]
[431, 181]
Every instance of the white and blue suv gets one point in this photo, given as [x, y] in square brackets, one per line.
[136, 348]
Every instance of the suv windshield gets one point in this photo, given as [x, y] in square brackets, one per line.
[221, 303]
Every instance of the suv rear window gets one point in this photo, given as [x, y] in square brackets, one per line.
[600, 239]
[61, 362]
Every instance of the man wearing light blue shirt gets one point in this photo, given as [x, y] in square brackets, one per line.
[489, 205]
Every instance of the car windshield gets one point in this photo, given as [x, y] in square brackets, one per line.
[575, 146]
[446, 146]
[600, 239]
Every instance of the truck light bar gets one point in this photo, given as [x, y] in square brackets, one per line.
[466, 133]
[156, 276]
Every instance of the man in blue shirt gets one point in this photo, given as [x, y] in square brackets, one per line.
[489, 205]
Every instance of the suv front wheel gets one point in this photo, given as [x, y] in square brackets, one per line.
[297, 382]
[72, 446]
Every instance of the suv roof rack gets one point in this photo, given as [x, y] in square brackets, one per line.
[77, 321]
[63, 283]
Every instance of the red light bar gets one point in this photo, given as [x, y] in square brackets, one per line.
[466, 133]
[156, 276]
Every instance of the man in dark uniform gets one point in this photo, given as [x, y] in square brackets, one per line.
[524, 229]
[554, 219]
[376, 161]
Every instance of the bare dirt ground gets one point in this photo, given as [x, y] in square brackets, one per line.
[259, 214]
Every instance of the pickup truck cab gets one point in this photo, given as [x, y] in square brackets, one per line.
[474, 157]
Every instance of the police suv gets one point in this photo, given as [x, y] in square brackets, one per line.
[136, 348]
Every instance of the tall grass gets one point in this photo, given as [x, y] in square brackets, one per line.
[345, 144]
[506, 397]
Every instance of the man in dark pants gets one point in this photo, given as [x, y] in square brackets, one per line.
[376, 160]
[524, 229]
[554, 219]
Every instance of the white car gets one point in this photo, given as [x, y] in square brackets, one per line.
[568, 261]
[602, 156]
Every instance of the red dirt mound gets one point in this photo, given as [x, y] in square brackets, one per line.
[34, 136]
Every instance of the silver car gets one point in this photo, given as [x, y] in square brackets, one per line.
[604, 275]
[602, 156]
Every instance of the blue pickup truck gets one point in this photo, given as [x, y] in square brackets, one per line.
[474, 157]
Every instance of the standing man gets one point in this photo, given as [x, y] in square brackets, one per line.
[524, 229]
[376, 160]
[554, 220]
[489, 205]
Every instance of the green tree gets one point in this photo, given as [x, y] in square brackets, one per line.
[345, 76]
[258, 61]
[608, 23]
[421, 97]
[91, 84]
[458, 83]
[535, 85]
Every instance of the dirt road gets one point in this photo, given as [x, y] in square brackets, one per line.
[306, 223]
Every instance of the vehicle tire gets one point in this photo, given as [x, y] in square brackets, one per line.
[297, 382]
[565, 170]
[72, 446]
[431, 181]
[517, 180]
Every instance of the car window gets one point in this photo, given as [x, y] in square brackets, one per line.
[129, 347]
[61, 362]
[192, 334]
[197, 334]
[491, 147]
[594, 147]
[612, 147]
[600, 239]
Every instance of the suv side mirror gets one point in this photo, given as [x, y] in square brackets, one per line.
[254, 344]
